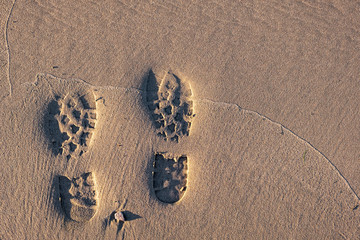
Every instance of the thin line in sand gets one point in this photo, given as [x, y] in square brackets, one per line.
[7, 46]
[287, 129]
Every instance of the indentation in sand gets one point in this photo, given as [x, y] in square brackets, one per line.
[169, 101]
[79, 197]
[170, 177]
[71, 123]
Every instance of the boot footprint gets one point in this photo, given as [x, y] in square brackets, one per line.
[169, 101]
[78, 196]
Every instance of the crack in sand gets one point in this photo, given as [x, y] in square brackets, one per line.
[282, 127]
[7, 46]
[34, 83]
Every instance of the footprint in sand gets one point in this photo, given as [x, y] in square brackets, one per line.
[71, 123]
[78, 197]
[169, 101]
[169, 177]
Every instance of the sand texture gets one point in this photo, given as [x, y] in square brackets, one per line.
[179, 120]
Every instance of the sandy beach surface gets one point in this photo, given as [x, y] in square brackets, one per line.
[179, 119]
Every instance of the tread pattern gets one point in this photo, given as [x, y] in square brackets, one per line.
[170, 177]
[72, 123]
[78, 196]
[169, 101]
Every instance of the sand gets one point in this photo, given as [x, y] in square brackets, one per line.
[250, 131]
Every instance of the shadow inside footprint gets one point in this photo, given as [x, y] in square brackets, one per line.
[55, 193]
[52, 130]
[169, 177]
[65, 196]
